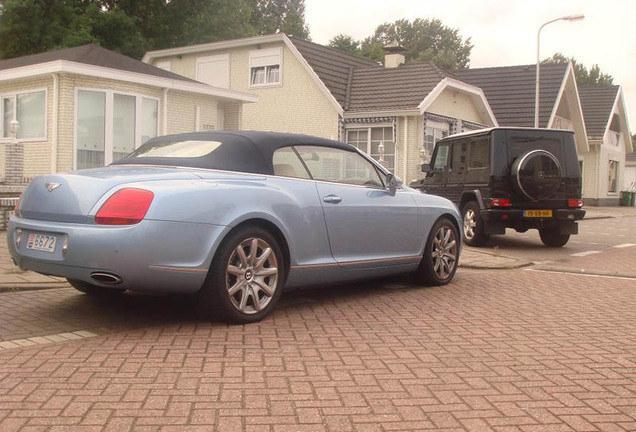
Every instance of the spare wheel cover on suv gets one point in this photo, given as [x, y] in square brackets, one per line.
[536, 174]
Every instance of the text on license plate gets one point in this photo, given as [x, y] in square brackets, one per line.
[538, 213]
[42, 242]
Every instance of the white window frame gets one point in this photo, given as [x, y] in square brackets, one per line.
[617, 164]
[14, 96]
[254, 57]
[213, 59]
[109, 118]
[368, 128]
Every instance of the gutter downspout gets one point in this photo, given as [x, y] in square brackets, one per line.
[405, 152]
[165, 112]
[54, 142]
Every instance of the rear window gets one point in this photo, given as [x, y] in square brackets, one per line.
[222, 151]
[177, 149]
[518, 146]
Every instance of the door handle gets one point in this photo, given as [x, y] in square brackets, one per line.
[332, 199]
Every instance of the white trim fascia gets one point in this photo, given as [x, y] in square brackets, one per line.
[458, 85]
[624, 126]
[386, 113]
[627, 132]
[314, 76]
[64, 66]
[192, 49]
[569, 74]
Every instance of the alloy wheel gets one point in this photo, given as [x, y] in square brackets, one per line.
[469, 224]
[251, 275]
[444, 253]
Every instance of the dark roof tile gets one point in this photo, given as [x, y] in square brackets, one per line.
[597, 103]
[510, 90]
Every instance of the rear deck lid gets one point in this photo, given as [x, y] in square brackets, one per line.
[70, 197]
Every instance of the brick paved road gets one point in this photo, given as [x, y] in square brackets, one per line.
[497, 350]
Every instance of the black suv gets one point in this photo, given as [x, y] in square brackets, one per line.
[509, 178]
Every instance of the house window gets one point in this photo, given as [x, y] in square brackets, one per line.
[110, 125]
[434, 132]
[29, 109]
[265, 67]
[214, 70]
[613, 177]
[377, 142]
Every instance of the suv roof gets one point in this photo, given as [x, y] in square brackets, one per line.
[488, 130]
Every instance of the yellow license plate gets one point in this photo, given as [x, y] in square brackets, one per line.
[537, 213]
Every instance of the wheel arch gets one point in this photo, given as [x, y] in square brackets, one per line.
[473, 195]
[267, 225]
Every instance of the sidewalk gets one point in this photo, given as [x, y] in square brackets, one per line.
[14, 279]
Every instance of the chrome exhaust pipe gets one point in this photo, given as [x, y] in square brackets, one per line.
[106, 278]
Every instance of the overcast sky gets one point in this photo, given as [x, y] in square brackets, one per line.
[504, 32]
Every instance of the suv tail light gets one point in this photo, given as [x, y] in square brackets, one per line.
[575, 203]
[125, 207]
[500, 202]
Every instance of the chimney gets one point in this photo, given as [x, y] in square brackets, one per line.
[393, 54]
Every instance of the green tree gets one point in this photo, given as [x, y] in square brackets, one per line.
[280, 16]
[345, 43]
[584, 76]
[33, 26]
[423, 39]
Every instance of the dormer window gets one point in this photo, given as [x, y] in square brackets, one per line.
[265, 67]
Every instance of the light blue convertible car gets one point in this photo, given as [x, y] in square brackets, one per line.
[235, 217]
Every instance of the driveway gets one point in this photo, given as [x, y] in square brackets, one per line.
[529, 349]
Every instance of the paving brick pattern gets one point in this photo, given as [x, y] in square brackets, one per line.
[506, 351]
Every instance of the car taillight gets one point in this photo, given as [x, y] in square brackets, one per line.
[575, 203]
[16, 209]
[125, 207]
[500, 202]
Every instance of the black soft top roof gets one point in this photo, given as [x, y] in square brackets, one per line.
[242, 151]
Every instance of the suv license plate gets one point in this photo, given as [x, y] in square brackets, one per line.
[537, 213]
[42, 242]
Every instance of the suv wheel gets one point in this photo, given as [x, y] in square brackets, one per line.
[552, 238]
[473, 225]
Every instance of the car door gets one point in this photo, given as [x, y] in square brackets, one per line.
[456, 170]
[437, 177]
[368, 225]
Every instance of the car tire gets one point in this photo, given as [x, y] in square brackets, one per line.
[94, 290]
[243, 287]
[473, 229]
[441, 255]
[552, 237]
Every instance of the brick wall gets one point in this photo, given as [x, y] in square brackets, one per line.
[456, 104]
[298, 105]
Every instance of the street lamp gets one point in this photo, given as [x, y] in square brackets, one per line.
[536, 99]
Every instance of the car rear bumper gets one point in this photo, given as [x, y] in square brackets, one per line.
[152, 256]
[517, 214]
[497, 220]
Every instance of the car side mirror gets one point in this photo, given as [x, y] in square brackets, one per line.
[426, 168]
[393, 182]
